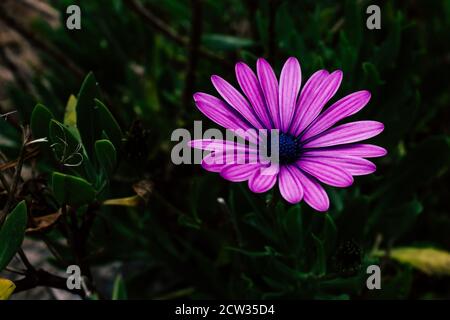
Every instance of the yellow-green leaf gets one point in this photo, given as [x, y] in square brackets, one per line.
[70, 116]
[133, 201]
[430, 261]
[6, 288]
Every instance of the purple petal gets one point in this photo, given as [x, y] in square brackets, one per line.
[312, 103]
[343, 108]
[314, 193]
[356, 150]
[309, 90]
[250, 85]
[216, 161]
[239, 172]
[213, 163]
[326, 173]
[353, 165]
[220, 145]
[236, 100]
[346, 133]
[269, 85]
[260, 182]
[219, 112]
[290, 185]
[290, 80]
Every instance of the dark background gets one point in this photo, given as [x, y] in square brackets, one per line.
[149, 57]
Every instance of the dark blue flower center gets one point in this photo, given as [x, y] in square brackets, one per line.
[289, 148]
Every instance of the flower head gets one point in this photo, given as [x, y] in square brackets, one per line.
[311, 149]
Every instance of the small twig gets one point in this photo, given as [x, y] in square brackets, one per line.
[165, 29]
[53, 250]
[4, 182]
[156, 23]
[25, 261]
[194, 44]
[16, 178]
[22, 273]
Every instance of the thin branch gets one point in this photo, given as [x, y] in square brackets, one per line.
[53, 250]
[25, 260]
[43, 278]
[22, 273]
[156, 23]
[165, 29]
[194, 45]
[16, 177]
[4, 182]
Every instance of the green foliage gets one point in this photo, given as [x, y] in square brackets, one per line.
[40, 121]
[72, 190]
[185, 243]
[106, 154]
[119, 290]
[12, 232]
[85, 109]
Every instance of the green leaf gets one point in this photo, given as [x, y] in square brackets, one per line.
[226, 42]
[66, 145]
[72, 190]
[85, 110]
[371, 74]
[40, 119]
[293, 225]
[119, 290]
[320, 266]
[12, 233]
[108, 124]
[106, 154]
[329, 234]
[70, 116]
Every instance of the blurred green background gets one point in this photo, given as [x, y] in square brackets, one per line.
[149, 57]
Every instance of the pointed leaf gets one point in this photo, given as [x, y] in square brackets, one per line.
[12, 233]
[106, 154]
[119, 290]
[85, 110]
[40, 119]
[72, 190]
[108, 124]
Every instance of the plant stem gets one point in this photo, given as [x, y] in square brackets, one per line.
[16, 177]
[46, 279]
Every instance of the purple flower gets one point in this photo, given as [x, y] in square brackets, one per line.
[311, 149]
